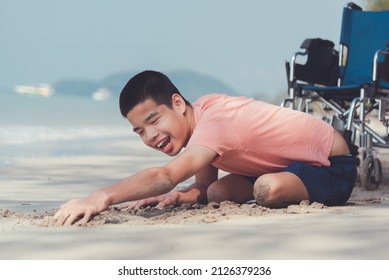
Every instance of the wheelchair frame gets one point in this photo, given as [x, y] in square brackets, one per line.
[350, 118]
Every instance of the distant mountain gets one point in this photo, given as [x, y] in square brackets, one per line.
[191, 84]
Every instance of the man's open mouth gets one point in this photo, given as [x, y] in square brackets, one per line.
[163, 143]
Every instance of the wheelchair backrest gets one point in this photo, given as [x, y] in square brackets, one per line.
[362, 33]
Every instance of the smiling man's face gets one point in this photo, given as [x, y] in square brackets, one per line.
[160, 127]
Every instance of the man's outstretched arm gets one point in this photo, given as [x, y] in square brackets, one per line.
[147, 183]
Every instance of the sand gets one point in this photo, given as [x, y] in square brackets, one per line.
[33, 188]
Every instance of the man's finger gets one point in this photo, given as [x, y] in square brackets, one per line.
[56, 215]
[128, 205]
[82, 222]
[60, 218]
[165, 202]
[144, 202]
[71, 219]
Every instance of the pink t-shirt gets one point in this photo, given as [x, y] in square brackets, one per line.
[252, 138]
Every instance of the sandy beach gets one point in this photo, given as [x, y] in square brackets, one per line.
[33, 187]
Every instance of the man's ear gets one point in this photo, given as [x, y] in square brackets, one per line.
[178, 103]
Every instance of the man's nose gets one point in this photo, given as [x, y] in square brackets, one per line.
[151, 134]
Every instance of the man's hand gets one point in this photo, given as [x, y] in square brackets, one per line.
[159, 201]
[81, 211]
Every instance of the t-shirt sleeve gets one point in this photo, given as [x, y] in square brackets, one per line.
[211, 132]
[207, 135]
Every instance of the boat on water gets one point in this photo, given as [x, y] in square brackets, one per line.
[43, 90]
[102, 94]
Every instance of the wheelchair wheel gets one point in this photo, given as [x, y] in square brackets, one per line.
[371, 173]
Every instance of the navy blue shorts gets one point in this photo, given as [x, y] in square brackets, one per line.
[330, 185]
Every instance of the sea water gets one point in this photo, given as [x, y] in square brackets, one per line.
[32, 126]
[55, 127]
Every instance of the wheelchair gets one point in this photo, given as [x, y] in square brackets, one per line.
[350, 86]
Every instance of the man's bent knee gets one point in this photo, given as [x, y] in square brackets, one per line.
[266, 192]
[215, 193]
[279, 189]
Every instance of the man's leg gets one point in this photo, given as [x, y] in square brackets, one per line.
[231, 187]
[279, 189]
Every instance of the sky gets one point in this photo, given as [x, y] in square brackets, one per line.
[243, 43]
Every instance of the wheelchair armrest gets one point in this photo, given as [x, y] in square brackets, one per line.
[291, 66]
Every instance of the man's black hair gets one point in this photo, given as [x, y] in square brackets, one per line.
[146, 85]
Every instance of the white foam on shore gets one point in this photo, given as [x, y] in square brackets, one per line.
[24, 134]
